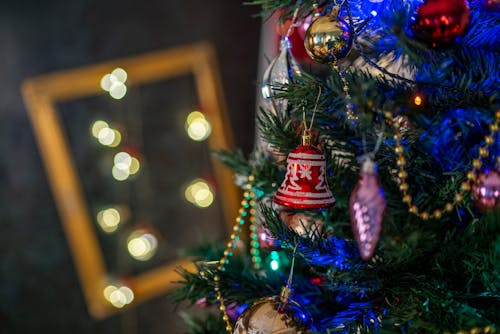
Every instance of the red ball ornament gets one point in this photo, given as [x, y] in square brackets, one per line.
[486, 190]
[296, 37]
[305, 185]
[438, 22]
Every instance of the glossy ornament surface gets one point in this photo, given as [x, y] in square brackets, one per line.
[438, 22]
[270, 316]
[296, 37]
[367, 207]
[486, 190]
[283, 70]
[328, 38]
[302, 224]
[305, 185]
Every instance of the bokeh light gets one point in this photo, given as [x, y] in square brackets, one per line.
[197, 127]
[117, 90]
[194, 115]
[114, 83]
[106, 82]
[142, 244]
[122, 160]
[108, 291]
[135, 165]
[119, 74]
[124, 166]
[120, 174]
[199, 130]
[109, 219]
[274, 264]
[118, 296]
[199, 193]
[129, 294]
[417, 100]
[117, 140]
[118, 299]
[97, 126]
[106, 136]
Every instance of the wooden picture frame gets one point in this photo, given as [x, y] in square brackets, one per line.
[41, 95]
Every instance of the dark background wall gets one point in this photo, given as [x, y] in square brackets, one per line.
[39, 290]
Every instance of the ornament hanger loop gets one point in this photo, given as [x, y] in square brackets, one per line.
[294, 20]
[378, 143]
[286, 291]
[290, 276]
[306, 136]
[306, 128]
[334, 13]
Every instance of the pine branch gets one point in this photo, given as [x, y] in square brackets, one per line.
[236, 161]
[426, 276]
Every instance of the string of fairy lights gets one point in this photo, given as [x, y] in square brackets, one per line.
[142, 240]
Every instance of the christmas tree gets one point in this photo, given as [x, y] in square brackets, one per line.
[371, 200]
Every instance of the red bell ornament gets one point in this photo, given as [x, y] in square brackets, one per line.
[439, 22]
[305, 185]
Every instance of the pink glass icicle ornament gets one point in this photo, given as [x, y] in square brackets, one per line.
[486, 190]
[367, 207]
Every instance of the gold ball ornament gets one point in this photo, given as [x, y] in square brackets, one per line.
[271, 316]
[328, 38]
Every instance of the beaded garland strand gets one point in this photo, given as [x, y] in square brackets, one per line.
[247, 210]
[477, 330]
[254, 238]
[351, 116]
[465, 187]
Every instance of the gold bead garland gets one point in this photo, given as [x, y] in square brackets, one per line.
[477, 330]
[247, 210]
[316, 9]
[349, 105]
[465, 187]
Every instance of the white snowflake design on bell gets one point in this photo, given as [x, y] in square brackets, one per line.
[305, 171]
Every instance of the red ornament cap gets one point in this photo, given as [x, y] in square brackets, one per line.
[305, 185]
